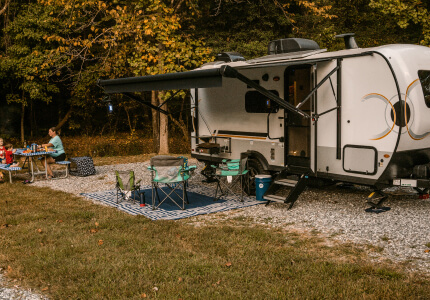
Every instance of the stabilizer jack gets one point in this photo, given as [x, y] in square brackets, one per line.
[376, 198]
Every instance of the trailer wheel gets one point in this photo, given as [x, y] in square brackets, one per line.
[254, 168]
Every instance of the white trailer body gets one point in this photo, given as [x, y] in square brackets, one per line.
[366, 118]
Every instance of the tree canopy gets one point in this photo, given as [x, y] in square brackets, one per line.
[54, 51]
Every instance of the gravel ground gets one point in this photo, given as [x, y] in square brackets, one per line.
[15, 292]
[401, 235]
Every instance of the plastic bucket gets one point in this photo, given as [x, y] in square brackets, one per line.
[262, 183]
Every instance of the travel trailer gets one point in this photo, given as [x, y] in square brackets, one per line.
[359, 115]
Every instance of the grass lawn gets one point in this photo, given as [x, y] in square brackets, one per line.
[66, 247]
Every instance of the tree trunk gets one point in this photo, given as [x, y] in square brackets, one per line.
[64, 120]
[128, 119]
[183, 127]
[155, 123]
[22, 122]
[164, 130]
[164, 119]
[3, 10]
[31, 118]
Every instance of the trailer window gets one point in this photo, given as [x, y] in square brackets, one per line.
[425, 84]
[258, 103]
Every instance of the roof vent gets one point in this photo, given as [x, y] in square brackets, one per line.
[291, 45]
[229, 56]
[349, 39]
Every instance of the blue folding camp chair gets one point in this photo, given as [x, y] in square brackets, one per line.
[172, 173]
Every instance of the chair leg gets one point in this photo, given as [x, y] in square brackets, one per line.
[183, 196]
[186, 194]
[118, 193]
[229, 189]
[153, 195]
[217, 186]
[168, 195]
[241, 189]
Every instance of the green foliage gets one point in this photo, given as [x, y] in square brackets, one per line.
[248, 26]
[22, 63]
[245, 27]
[115, 145]
[406, 12]
[60, 48]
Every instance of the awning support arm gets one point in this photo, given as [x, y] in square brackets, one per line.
[230, 72]
[137, 99]
[317, 87]
[332, 89]
[316, 116]
[170, 98]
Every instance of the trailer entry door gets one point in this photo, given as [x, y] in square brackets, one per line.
[298, 85]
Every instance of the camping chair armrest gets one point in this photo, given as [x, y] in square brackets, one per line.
[220, 167]
[189, 169]
[150, 168]
[232, 166]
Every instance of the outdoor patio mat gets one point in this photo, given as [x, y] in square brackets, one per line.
[200, 198]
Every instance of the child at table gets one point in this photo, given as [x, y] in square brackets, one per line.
[9, 156]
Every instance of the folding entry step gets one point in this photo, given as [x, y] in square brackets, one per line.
[298, 186]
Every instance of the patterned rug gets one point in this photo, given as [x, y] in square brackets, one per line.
[200, 198]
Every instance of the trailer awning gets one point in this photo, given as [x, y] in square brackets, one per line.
[171, 81]
[187, 80]
[198, 78]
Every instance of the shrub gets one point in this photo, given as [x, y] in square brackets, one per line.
[122, 144]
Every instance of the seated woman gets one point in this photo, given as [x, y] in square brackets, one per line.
[55, 144]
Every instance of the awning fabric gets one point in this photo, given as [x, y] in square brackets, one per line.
[171, 81]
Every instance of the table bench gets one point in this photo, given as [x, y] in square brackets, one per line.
[9, 169]
[64, 163]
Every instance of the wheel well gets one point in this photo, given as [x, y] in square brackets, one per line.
[260, 157]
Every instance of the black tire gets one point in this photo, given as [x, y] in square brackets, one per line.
[254, 168]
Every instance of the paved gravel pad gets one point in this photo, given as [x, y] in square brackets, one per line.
[16, 293]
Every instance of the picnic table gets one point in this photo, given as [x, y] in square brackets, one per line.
[30, 159]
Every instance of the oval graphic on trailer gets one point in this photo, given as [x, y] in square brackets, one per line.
[393, 115]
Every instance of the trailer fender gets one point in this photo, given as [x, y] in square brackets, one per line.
[259, 157]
